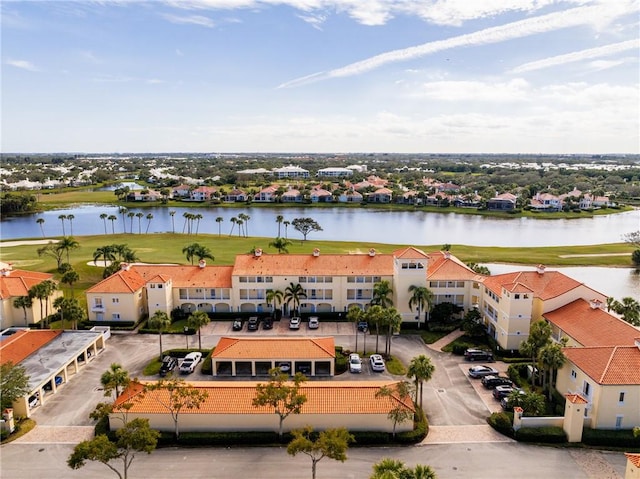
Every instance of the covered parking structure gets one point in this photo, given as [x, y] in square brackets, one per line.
[50, 358]
[256, 356]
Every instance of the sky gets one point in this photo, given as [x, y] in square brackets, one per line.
[321, 76]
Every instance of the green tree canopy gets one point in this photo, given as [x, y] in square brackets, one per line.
[160, 321]
[114, 380]
[305, 226]
[14, 383]
[331, 443]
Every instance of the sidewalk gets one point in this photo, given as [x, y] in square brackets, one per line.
[449, 338]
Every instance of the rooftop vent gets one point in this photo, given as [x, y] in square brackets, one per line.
[540, 269]
[595, 304]
[372, 252]
[125, 266]
[316, 252]
[257, 252]
[202, 263]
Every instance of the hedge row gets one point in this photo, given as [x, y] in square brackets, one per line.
[611, 438]
[502, 422]
[547, 434]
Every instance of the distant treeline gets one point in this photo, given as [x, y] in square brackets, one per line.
[14, 203]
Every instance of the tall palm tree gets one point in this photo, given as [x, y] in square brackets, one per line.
[186, 216]
[293, 294]
[196, 321]
[104, 217]
[245, 220]
[70, 218]
[279, 220]
[161, 322]
[354, 315]
[197, 217]
[23, 302]
[281, 244]
[286, 228]
[421, 370]
[40, 221]
[551, 358]
[149, 218]
[173, 224]
[274, 297]
[66, 244]
[422, 298]
[234, 221]
[70, 277]
[219, 220]
[131, 215]
[105, 252]
[113, 379]
[112, 218]
[123, 211]
[392, 320]
[62, 218]
[240, 223]
[139, 215]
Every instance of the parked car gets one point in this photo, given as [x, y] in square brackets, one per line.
[294, 322]
[169, 363]
[492, 381]
[314, 322]
[284, 367]
[507, 402]
[377, 363]
[478, 355]
[363, 326]
[34, 400]
[501, 392]
[478, 372]
[253, 323]
[267, 323]
[355, 363]
[190, 362]
[49, 387]
[237, 324]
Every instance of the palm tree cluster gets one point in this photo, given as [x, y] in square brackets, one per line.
[189, 220]
[242, 221]
[628, 309]
[196, 251]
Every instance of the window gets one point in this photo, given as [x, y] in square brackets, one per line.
[159, 286]
[115, 316]
[621, 397]
[115, 300]
[97, 302]
[574, 374]
[152, 286]
[586, 388]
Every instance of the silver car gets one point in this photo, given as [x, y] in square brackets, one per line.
[377, 363]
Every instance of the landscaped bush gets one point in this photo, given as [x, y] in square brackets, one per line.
[547, 434]
[611, 438]
[419, 432]
[369, 438]
[224, 438]
[502, 422]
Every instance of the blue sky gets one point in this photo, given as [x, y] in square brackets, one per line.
[448, 76]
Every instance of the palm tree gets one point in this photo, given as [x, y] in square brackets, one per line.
[197, 320]
[354, 315]
[197, 217]
[240, 223]
[131, 215]
[160, 321]
[149, 218]
[293, 293]
[123, 211]
[281, 244]
[42, 291]
[105, 252]
[374, 315]
[112, 218]
[219, 220]
[381, 292]
[40, 221]
[551, 358]
[421, 370]
[70, 277]
[173, 224]
[70, 218]
[197, 251]
[245, 220]
[234, 221]
[274, 297]
[139, 215]
[104, 217]
[23, 302]
[279, 220]
[392, 320]
[66, 244]
[422, 299]
[186, 216]
[62, 218]
[286, 228]
[113, 379]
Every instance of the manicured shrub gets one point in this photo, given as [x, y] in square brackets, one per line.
[547, 434]
[610, 438]
[502, 422]
[419, 432]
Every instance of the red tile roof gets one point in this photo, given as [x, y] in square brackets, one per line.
[592, 327]
[323, 397]
[275, 348]
[576, 399]
[17, 282]
[608, 365]
[22, 344]
[324, 264]
[633, 458]
[443, 265]
[546, 286]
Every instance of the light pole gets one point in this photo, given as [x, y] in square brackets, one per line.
[186, 337]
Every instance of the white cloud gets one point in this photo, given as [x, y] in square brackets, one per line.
[578, 56]
[23, 64]
[189, 20]
[545, 23]
[454, 91]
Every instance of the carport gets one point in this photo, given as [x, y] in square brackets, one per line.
[256, 356]
[47, 355]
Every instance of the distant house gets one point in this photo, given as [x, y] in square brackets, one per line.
[502, 202]
[267, 194]
[144, 195]
[291, 171]
[350, 196]
[589, 201]
[202, 193]
[181, 191]
[409, 198]
[467, 201]
[546, 202]
[381, 195]
[291, 196]
[335, 172]
[236, 196]
[320, 195]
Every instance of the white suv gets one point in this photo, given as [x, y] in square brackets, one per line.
[355, 363]
[294, 322]
[314, 322]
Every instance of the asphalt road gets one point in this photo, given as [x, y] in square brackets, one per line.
[450, 400]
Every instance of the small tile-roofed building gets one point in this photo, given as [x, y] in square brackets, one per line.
[229, 407]
[15, 283]
[586, 323]
[608, 377]
[633, 466]
[256, 356]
